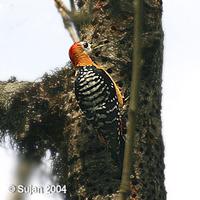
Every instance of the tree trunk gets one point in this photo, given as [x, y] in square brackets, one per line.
[45, 115]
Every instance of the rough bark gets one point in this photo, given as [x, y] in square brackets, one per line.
[45, 115]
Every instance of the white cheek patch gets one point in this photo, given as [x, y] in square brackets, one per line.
[86, 46]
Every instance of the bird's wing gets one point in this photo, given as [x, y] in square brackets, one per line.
[118, 92]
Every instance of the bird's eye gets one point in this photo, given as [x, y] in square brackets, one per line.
[85, 45]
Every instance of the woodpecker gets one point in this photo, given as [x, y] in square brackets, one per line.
[99, 99]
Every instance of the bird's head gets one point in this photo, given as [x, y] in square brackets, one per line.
[78, 54]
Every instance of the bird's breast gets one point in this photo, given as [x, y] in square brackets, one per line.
[92, 89]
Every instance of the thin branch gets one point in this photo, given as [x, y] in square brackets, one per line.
[67, 19]
[72, 4]
[72, 31]
[131, 130]
[61, 5]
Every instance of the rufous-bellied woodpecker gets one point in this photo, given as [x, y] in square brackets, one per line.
[99, 98]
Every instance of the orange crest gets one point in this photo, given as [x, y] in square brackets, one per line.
[75, 50]
[78, 55]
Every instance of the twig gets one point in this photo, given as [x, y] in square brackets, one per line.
[67, 16]
[131, 129]
[61, 5]
[72, 4]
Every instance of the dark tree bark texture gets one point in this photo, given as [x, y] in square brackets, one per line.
[45, 115]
